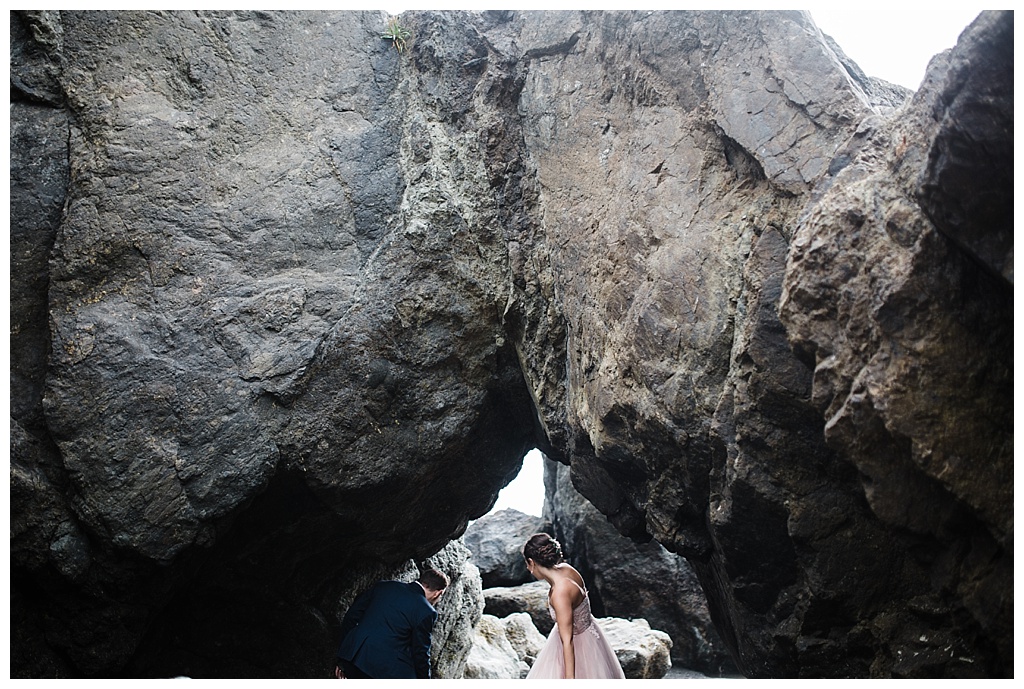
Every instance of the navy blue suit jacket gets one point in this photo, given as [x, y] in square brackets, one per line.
[386, 631]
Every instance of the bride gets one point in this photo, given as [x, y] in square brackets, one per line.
[576, 647]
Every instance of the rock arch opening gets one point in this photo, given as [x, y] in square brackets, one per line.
[525, 492]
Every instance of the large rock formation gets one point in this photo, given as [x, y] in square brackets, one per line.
[289, 306]
[234, 227]
[898, 293]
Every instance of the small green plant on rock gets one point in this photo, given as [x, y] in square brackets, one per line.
[397, 34]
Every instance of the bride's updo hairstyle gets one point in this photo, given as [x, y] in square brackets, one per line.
[543, 550]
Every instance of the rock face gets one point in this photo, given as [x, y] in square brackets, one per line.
[898, 292]
[458, 611]
[289, 306]
[524, 636]
[496, 541]
[215, 252]
[492, 655]
[627, 579]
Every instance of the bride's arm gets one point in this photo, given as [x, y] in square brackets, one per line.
[561, 601]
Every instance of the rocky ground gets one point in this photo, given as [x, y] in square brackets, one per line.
[681, 673]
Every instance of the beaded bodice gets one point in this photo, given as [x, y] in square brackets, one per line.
[582, 619]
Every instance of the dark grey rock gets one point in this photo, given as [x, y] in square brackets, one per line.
[910, 337]
[36, 41]
[496, 541]
[967, 189]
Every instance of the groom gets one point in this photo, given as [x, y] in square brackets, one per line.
[386, 631]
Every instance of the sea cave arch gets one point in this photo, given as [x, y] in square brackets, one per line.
[289, 306]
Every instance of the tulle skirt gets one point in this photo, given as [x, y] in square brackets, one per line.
[595, 658]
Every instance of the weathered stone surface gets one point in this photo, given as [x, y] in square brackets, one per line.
[232, 212]
[966, 189]
[627, 579]
[643, 653]
[36, 37]
[532, 598]
[492, 655]
[884, 97]
[522, 633]
[39, 160]
[309, 301]
[693, 421]
[912, 346]
[458, 611]
[657, 183]
[496, 541]
[234, 322]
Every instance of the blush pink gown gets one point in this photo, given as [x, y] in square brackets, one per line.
[595, 658]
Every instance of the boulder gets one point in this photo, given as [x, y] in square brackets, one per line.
[492, 655]
[203, 311]
[458, 611]
[532, 598]
[643, 653]
[522, 633]
[496, 541]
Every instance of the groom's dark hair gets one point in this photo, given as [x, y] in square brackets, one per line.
[433, 580]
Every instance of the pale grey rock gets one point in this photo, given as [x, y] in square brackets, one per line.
[522, 633]
[643, 653]
[458, 611]
[492, 655]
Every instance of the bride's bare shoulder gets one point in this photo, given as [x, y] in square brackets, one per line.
[570, 581]
[571, 572]
[563, 592]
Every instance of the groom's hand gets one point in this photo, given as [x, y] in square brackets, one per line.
[338, 673]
